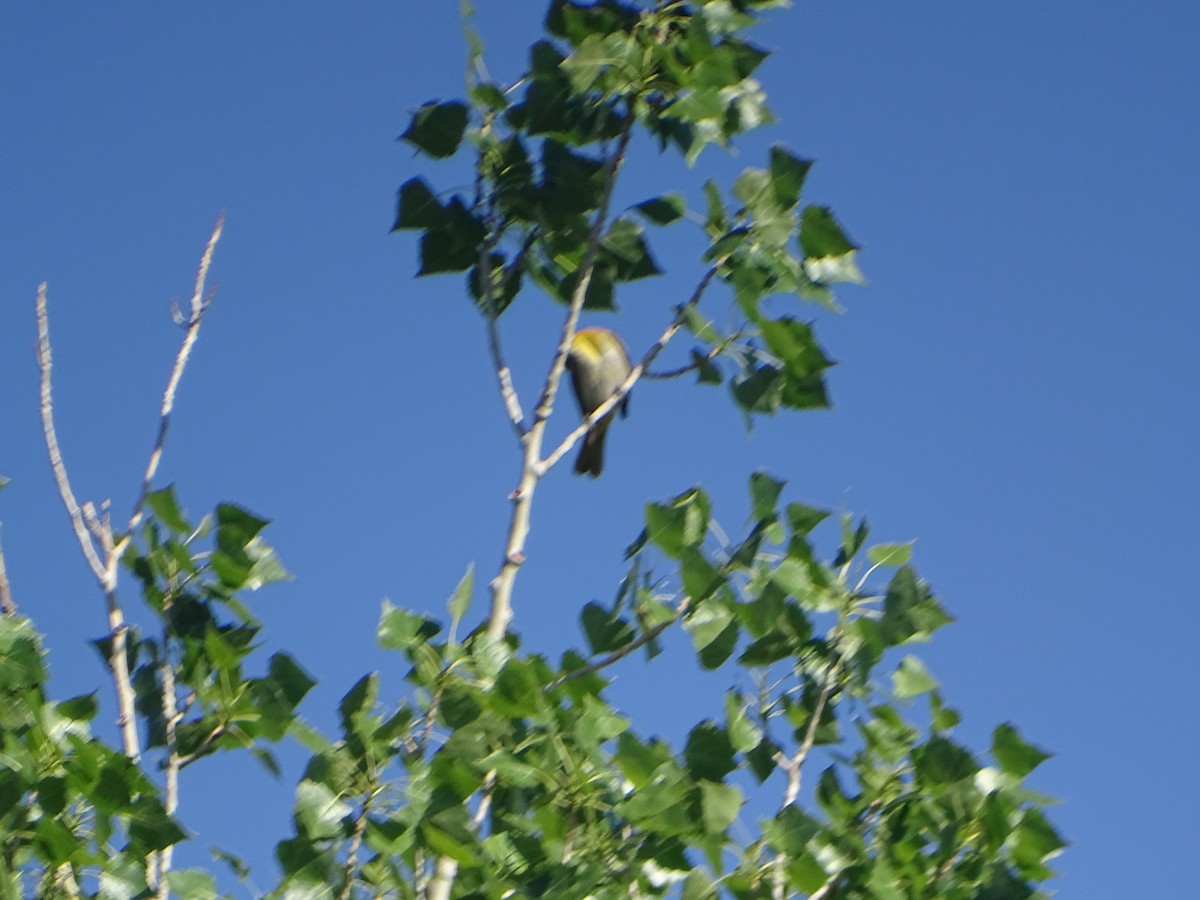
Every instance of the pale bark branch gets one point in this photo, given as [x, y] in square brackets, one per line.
[103, 551]
[8, 606]
[793, 766]
[531, 470]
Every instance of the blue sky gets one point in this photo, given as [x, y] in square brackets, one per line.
[1011, 389]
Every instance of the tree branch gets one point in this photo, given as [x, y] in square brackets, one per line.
[103, 553]
[793, 766]
[531, 470]
[7, 606]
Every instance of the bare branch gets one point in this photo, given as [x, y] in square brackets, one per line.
[7, 606]
[793, 767]
[199, 304]
[103, 552]
[46, 364]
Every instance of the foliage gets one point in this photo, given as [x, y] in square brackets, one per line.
[506, 773]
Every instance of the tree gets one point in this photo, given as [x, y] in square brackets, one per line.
[504, 772]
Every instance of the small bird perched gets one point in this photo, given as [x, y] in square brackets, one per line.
[599, 364]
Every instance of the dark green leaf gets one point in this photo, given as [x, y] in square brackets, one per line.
[437, 129]
[764, 495]
[605, 630]
[787, 175]
[150, 828]
[910, 611]
[662, 210]
[358, 701]
[941, 762]
[709, 753]
[624, 250]
[517, 691]
[82, 708]
[291, 680]
[418, 207]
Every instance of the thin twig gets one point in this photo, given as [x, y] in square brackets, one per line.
[46, 364]
[199, 304]
[713, 352]
[621, 652]
[8, 606]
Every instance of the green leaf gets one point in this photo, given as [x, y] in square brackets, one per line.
[80, 709]
[758, 389]
[166, 508]
[702, 327]
[803, 519]
[852, 538]
[517, 691]
[719, 805]
[437, 129]
[911, 678]
[941, 762]
[1013, 753]
[697, 886]
[714, 632]
[605, 630]
[680, 525]
[639, 761]
[318, 810]
[624, 250]
[787, 175]
[359, 700]
[289, 678]
[21, 663]
[123, 878]
[400, 629]
[662, 210]
[820, 234]
[764, 496]
[910, 611]
[418, 207]
[460, 600]
[192, 884]
[452, 247]
[709, 752]
[150, 828]
[891, 554]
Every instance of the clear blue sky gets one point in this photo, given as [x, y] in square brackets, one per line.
[1012, 390]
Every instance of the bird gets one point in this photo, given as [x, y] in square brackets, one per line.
[599, 364]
